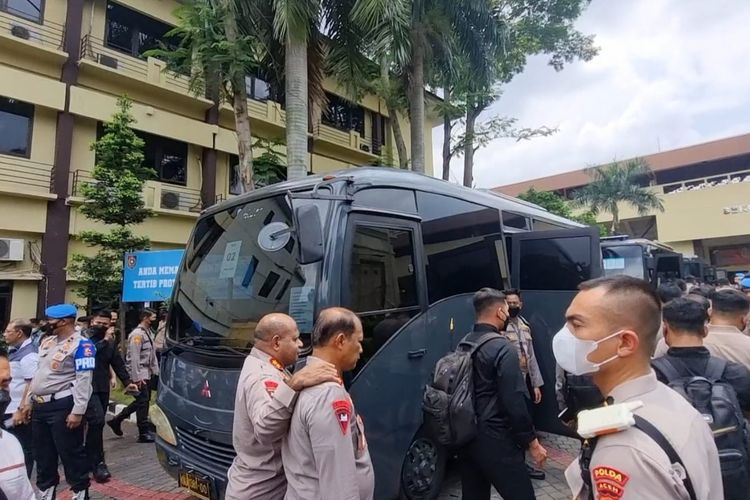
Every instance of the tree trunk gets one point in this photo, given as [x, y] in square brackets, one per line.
[471, 119]
[615, 218]
[447, 135]
[416, 102]
[398, 138]
[239, 104]
[296, 107]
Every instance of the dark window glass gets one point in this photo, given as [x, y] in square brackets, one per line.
[540, 225]
[515, 221]
[133, 32]
[463, 246]
[394, 200]
[555, 264]
[235, 179]
[268, 285]
[256, 88]
[15, 127]
[382, 272]
[344, 115]
[28, 9]
[382, 279]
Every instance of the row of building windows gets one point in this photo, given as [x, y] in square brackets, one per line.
[33, 10]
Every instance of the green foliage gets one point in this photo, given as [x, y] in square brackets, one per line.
[619, 183]
[270, 166]
[558, 205]
[114, 198]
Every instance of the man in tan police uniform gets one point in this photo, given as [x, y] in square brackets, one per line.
[725, 339]
[325, 454]
[266, 394]
[610, 332]
[142, 366]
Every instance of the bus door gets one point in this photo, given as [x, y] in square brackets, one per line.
[668, 267]
[547, 267]
[383, 282]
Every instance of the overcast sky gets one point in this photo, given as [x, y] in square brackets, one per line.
[670, 73]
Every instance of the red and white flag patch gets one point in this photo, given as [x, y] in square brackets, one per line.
[342, 409]
[270, 386]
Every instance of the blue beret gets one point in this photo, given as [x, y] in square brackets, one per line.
[60, 311]
[745, 283]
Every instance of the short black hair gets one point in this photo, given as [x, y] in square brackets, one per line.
[83, 319]
[686, 315]
[638, 304]
[681, 284]
[103, 313]
[722, 282]
[668, 291]
[332, 321]
[691, 279]
[35, 321]
[487, 298]
[146, 313]
[731, 302]
[512, 291]
[702, 291]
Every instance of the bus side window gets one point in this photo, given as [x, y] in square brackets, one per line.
[382, 283]
[463, 245]
[555, 264]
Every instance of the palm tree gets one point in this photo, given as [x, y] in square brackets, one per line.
[619, 183]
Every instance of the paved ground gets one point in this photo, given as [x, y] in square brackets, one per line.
[137, 473]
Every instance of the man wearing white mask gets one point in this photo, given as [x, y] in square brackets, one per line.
[669, 453]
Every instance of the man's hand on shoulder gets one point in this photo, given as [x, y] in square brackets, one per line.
[312, 375]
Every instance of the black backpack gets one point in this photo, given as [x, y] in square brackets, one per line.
[449, 412]
[716, 400]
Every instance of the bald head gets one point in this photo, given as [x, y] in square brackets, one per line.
[274, 325]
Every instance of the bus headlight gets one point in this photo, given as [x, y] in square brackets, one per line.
[163, 427]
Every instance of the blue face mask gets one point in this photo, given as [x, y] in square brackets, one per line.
[572, 353]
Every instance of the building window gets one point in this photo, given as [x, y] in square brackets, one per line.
[235, 179]
[344, 115]
[167, 157]
[27, 9]
[16, 120]
[257, 89]
[132, 32]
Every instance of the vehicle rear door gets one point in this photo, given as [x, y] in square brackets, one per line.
[548, 266]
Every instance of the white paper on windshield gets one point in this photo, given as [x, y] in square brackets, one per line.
[614, 264]
[302, 307]
[231, 258]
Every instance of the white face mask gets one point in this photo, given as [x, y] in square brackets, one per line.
[572, 353]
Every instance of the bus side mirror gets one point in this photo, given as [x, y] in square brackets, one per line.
[309, 234]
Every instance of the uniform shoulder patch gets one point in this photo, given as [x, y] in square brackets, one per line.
[342, 410]
[609, 482]
[270, 386]
[85, 356]
[136, 339]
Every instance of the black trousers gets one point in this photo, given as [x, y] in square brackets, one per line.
[139, 406]
[23, 434]
[52, 439]
[95, 418]
[494, 461]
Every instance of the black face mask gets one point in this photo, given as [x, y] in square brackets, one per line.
[97, 331]
[514, 311]
[4, 400]
[50, 327]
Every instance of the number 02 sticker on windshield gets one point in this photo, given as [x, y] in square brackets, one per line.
[231, 258]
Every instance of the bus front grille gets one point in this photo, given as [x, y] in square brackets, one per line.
[217, 452]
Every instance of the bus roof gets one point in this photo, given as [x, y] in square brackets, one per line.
[614, 241]
[369, 177]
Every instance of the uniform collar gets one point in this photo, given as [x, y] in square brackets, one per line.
[263, 356]
[485, 328]
[689, 352]
[633, 388]
[723, 330]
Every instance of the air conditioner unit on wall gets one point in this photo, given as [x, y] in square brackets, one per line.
[11, 250]
[170, 199]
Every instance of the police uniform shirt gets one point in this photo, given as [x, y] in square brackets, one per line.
[325, 454]
[141, 357]
[263, 407]
[519, 333]
[65, 365]
[729, 343]
[13, 480]
[629, 465]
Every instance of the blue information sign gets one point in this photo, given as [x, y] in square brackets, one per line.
[150, 276]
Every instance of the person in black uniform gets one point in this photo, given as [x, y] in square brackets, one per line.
[496, 456]
[684, 329]
[107, 356]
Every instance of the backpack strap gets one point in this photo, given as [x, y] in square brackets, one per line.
[584, 462]
[654, 433]
[666, 367]
[474, 348]
[715, 368]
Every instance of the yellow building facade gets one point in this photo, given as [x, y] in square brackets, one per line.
[63, 64]
[705, 192]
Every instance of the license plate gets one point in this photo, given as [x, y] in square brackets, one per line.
[196, 484]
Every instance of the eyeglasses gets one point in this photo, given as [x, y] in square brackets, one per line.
[10, 331]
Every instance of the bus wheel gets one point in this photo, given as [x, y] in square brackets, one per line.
[423, 469]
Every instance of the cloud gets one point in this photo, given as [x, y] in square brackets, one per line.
[670, 73]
